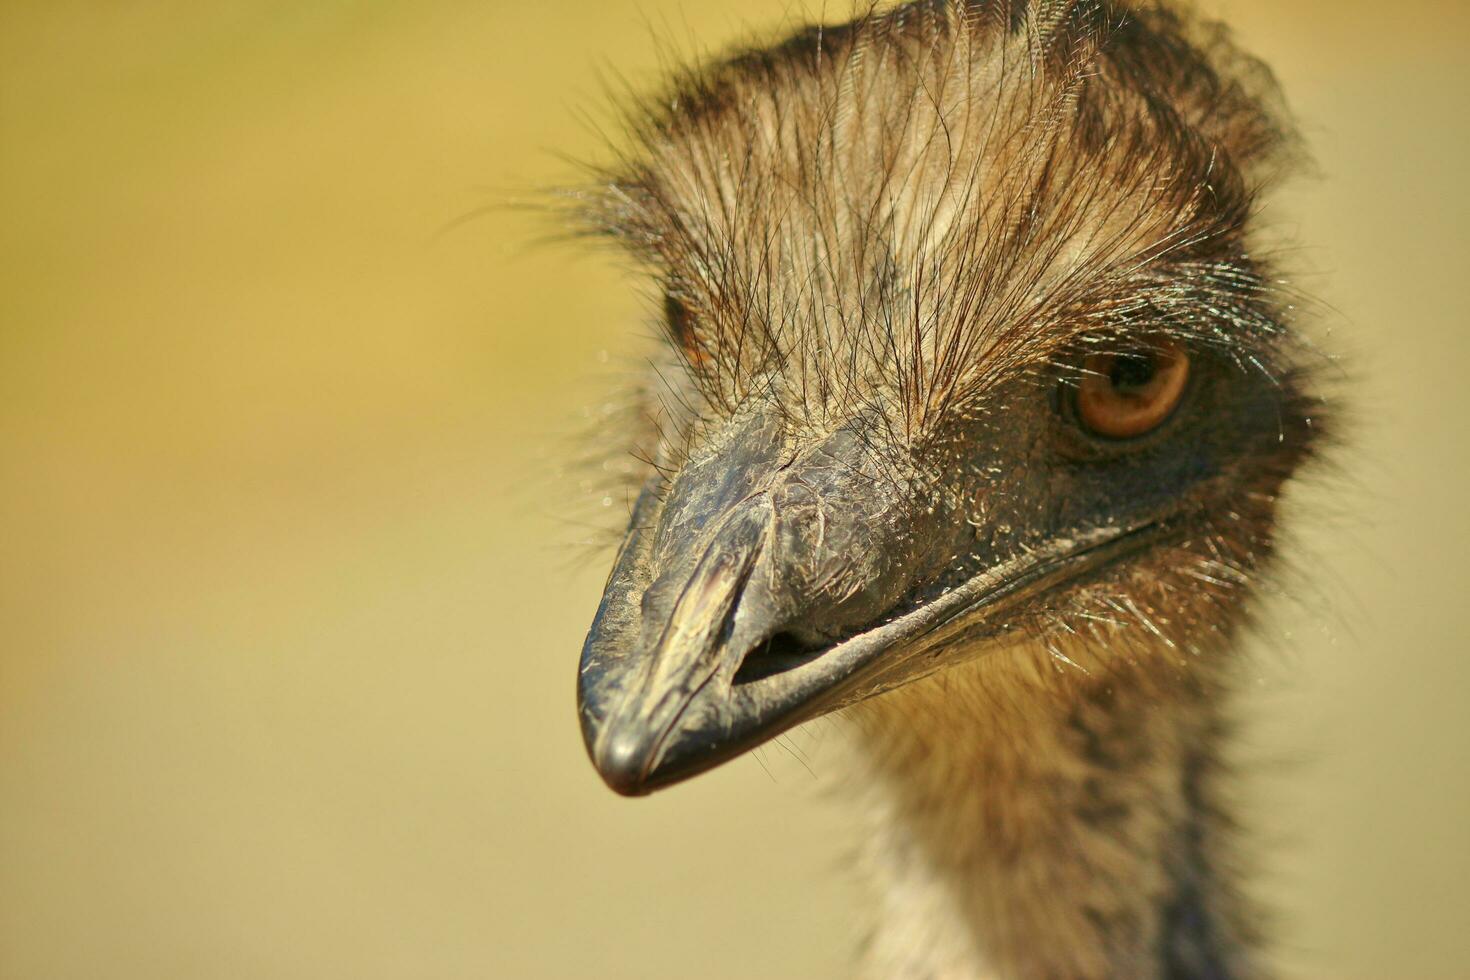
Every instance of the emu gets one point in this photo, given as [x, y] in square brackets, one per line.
[977, 400]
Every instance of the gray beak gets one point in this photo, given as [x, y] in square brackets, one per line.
[773, 583]
[718, 624]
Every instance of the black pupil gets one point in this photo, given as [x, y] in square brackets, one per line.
[1132, 371]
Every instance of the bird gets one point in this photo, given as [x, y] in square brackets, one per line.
[975, 392]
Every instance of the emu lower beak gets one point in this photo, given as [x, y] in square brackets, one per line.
[768, 587]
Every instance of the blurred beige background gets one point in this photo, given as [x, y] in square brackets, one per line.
[290, 601]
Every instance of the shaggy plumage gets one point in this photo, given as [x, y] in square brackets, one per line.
[920, 203]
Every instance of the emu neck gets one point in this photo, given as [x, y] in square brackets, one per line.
[1055, 828]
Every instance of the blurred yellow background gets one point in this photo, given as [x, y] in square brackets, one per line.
[290, 600]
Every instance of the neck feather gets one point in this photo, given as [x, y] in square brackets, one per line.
[1061, 826]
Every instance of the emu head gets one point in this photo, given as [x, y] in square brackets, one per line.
[966, 344]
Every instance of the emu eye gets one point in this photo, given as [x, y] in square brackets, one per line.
[1129, 394]
[681, 325]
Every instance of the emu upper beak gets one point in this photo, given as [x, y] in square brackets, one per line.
[772, 585]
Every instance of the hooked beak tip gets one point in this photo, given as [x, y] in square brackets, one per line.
[621, 758]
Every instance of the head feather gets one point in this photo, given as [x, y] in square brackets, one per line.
[891, 215]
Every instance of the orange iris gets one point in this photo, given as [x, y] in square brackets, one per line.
[1126, 395]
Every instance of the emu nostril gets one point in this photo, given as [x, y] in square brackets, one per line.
[782, 652]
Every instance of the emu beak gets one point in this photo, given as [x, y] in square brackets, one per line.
[773, 584]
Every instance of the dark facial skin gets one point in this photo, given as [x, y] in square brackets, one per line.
[785, 573]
